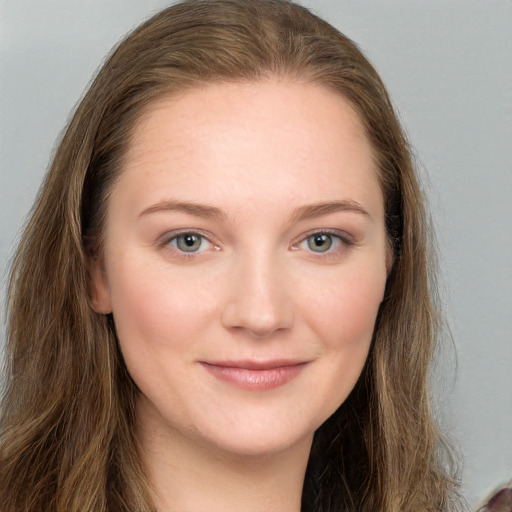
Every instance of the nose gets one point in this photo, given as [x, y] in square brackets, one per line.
[258, 300]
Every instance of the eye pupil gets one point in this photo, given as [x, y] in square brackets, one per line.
[320, 242]
[188, 242]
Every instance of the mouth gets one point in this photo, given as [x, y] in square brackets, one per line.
[255, 375]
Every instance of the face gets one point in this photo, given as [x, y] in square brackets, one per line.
[244, 263]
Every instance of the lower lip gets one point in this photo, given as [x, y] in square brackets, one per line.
[255, 380]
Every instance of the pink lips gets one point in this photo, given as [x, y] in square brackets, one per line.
[254, 376]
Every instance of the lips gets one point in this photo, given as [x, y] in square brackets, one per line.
[255, 375]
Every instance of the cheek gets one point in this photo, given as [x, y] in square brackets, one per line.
[341, 313]
[156, 311]
[344, 308]
[345, 322]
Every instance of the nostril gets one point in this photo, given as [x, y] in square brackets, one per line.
[258, 314]
[257, 323]
[257, 298]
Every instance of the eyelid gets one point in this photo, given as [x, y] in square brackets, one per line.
[342, 235]
[168, 236]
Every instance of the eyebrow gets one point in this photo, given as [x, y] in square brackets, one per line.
[315, 210]
[199, 210]
[310, 211]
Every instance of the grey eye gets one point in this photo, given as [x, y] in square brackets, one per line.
[189, 242]
[320, 242]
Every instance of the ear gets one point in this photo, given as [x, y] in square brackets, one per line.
[100, 291]
[390, 258]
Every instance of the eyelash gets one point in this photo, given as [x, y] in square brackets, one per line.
[171, 240]
[343, 241]
[342, 238]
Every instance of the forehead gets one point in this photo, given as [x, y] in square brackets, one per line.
[268, 136]
[240, 104]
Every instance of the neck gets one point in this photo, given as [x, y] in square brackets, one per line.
[189, 476]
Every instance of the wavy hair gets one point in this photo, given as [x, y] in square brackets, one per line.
[67, 411]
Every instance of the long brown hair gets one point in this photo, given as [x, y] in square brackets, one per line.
[67, 413]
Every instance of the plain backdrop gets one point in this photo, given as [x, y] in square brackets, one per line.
[448, 67]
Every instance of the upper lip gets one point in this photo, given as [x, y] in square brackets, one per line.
[249, 364]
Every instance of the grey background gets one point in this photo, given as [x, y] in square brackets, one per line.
[448, 66]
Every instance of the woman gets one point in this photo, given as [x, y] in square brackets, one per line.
[222, 299]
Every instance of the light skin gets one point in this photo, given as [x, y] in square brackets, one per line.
[244, 264]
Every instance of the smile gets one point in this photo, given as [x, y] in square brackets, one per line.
[255, 376]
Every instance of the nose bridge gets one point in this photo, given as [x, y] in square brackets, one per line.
[258, 299]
